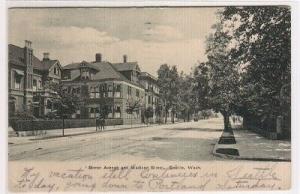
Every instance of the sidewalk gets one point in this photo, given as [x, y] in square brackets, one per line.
[55, 133]
[252, 146]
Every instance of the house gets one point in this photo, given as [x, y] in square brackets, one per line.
[149, 82]
[27, 76]
[130, 70]
[101, 87]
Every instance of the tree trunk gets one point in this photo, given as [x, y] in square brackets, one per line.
[166, 116]
[226, 121]
[172, 116]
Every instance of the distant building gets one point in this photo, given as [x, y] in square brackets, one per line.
[101, 85]
[149, 82]
[27, 76]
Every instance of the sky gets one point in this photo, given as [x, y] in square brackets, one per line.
[150, 36]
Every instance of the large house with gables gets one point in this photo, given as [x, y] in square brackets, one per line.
[27, 77]
[101, 85]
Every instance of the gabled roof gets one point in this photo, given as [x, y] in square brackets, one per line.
[72, 66]
[47, 64]
[148, 75]
[16, 56]
[80, 64]
[128, 66]
[106, 71]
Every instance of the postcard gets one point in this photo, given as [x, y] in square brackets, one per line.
[157, 98]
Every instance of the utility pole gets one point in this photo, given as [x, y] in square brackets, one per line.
[63, 118]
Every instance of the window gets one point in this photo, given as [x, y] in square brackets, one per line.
[149, 99]
[92, 112]
[109, 111]
[118, 91]
[97, 95]
[105, 90]
[18, 81]
[39, 84]
[101, 91]
[34, 84]
[117, 112]
[84, 74]
[129, 91]
[92, 92]
[110, 90]
[137, 93]
[55, 71]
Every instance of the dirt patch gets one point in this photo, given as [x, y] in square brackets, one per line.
[227, 140]
[228, 151]
[158, 138]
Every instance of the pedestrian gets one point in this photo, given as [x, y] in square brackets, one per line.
[102, 123]
[97, 123]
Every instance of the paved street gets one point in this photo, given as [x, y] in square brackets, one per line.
[192, 141]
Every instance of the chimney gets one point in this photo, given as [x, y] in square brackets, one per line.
[98, 57]
[46, 56]
[125, 58]
[28, 44]
[28, 53]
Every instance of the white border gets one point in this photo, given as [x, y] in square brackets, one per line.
[295, 68]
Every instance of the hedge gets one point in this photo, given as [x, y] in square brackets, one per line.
[27, 125]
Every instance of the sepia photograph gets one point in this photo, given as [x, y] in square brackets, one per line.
[149, 98]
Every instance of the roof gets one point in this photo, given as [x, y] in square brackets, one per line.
[105, 71]
[128, 66]
[47, 64]
[16, 56]
[148, 75]
[78, 65]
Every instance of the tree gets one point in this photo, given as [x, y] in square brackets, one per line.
[263, 42]
[64, 103]
[201, 88]
[132, 105]
[186, 96]
[159, 111]
[224, 75]
[149, 113]
[168, 79]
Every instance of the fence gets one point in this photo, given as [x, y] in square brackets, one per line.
[35, 125]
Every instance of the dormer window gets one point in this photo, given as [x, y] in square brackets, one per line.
[56, 71]
[85, 74]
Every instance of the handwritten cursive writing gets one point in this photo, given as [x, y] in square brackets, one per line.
[30, 179]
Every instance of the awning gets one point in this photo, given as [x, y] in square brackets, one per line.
[19, 72]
